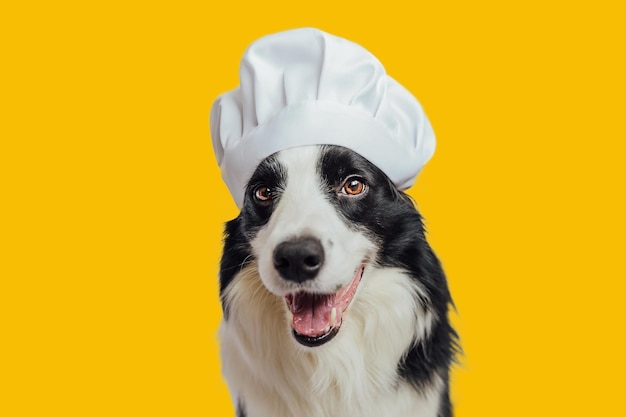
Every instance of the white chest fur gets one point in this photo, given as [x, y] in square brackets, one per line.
[353, 375]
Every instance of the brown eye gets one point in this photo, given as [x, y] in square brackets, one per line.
[353, 187]
[263, 193]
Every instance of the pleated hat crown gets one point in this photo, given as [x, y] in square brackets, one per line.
[306, 87]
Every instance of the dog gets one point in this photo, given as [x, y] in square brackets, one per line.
[334, 303]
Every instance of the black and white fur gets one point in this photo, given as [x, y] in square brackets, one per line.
[392, 354]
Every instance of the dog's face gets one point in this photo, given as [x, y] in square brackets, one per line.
[316, 217]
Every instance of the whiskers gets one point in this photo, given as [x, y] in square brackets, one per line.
[247, 261]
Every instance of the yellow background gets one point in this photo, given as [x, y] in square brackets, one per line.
[113, 205]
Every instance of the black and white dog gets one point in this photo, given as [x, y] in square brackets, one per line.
[334, 303]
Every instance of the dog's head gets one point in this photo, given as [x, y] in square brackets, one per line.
[314, 220]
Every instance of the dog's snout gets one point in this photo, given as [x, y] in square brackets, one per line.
[300, 259]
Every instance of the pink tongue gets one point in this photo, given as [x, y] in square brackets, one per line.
[311, 313]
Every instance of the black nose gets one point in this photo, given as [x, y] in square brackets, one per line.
[299, 259]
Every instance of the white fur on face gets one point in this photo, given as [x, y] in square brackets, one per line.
[304, 210]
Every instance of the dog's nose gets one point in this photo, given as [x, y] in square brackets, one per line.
[299, 259]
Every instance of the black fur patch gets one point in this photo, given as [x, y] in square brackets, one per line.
[271, 174]
[238, 233]
[237, 253]
[390, 218]
[241, 412]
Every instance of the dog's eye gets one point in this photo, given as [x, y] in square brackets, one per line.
[263, 193]
[354, 187]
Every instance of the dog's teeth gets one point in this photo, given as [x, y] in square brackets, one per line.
[333, 316]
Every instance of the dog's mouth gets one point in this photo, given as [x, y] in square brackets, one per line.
[317, 317]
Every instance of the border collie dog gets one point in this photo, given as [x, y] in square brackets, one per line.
[334, 303]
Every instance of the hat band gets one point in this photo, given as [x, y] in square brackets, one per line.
[316, 123]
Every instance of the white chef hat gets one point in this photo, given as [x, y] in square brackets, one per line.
[306, 87]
